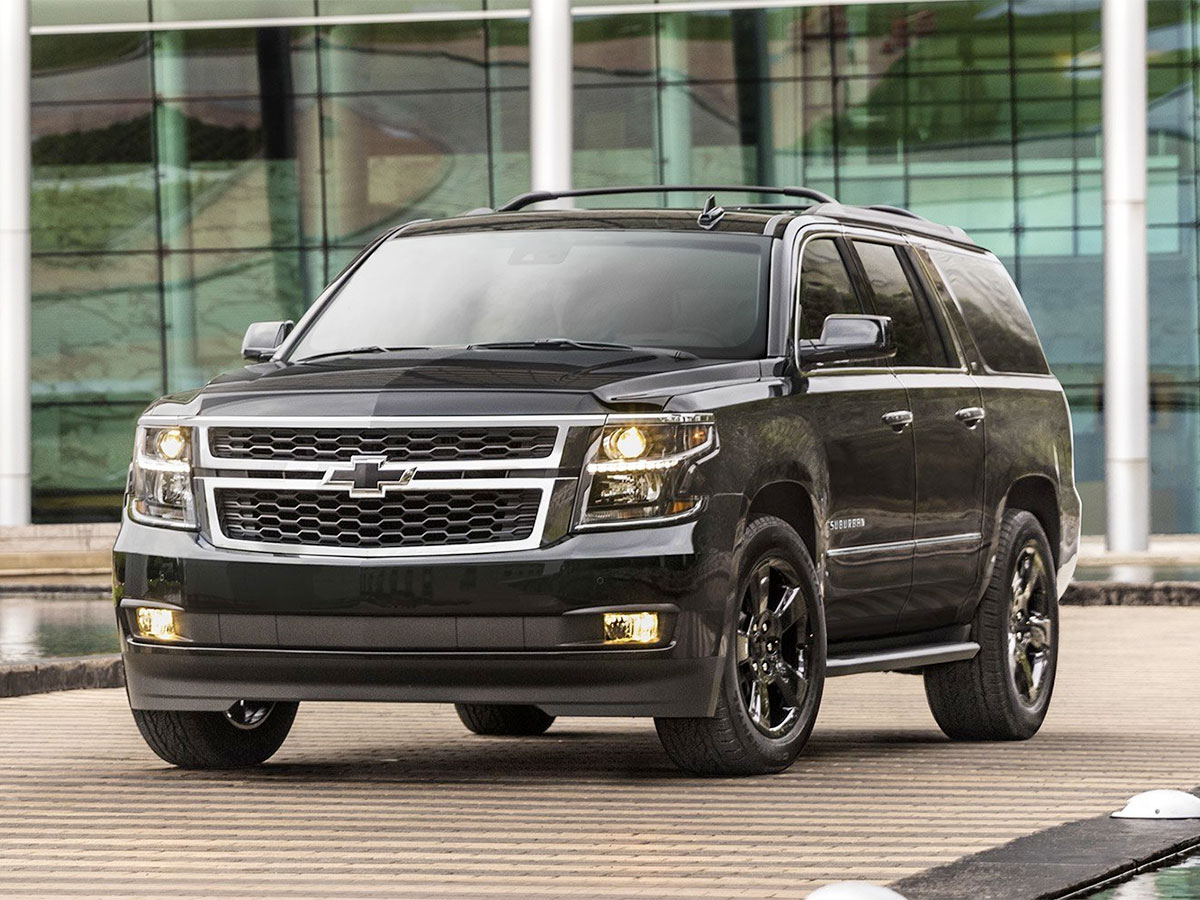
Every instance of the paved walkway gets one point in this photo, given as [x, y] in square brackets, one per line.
[398, 801]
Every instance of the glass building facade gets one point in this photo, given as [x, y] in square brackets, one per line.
[189, 180]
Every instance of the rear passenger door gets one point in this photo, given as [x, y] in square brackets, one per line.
[948, 428]
[870, 489]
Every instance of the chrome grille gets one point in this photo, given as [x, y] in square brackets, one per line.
[397, 444]
[414, 519]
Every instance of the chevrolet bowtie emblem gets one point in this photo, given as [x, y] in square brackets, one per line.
[370, 476]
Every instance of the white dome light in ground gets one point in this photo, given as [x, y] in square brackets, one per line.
[1160, 805]
[854, 890]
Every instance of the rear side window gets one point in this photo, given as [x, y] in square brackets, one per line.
[825, 287]
[994, 312]
[894, 297]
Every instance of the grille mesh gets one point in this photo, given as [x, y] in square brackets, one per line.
[398, 445]
[407, 519]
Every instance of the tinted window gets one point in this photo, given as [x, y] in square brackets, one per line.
[825, 287]
[994, 312]
[894, 297]
[703, 293]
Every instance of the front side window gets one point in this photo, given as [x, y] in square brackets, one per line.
[825, 287]
[704, 293]
[916, 345]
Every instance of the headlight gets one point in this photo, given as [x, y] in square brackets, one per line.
[160, 480]
[640, 468]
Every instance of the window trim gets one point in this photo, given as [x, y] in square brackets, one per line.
[837, 234]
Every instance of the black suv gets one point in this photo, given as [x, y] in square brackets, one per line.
[637, 462]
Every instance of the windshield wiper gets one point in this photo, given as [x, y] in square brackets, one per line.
[560, 343]
[550, 344]
[370, 348]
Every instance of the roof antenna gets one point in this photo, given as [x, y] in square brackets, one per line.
[711, 214]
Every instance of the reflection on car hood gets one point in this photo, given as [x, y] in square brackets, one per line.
[459, 382]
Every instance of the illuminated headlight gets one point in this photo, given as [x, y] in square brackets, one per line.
[640, 468]
[160, 480]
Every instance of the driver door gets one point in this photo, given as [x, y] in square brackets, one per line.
[870, 469]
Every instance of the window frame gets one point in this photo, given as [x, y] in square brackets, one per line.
[837, 234]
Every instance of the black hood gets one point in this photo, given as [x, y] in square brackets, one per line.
[444, 381]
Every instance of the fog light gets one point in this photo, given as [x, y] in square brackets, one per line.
[631, 628]
[156, 624]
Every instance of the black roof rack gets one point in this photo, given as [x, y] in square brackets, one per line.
[896, 211]
[523, 200]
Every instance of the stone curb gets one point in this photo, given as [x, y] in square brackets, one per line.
[44, 675]
[1114, 593]
[1069, 860]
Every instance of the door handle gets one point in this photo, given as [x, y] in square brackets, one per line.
[970, 415]
[898, 420]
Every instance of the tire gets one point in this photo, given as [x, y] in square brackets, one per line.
[212, 740]
[498, 719]
[1004, 692]
[746, 737]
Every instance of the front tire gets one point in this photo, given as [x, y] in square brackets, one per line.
[1003, 693]
[247, 734]
[774, 664]
[508, 721]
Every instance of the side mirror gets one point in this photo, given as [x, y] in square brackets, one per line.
[263, 339]
[850, 339]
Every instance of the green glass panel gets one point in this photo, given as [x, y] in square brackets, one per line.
[216, 10]
[78, 67]
[93, 182]
[394, 157]
[96, 328]
[1062, 35]
[406, 56]
[210, 298]
[236, 62]
[613, 49]
[238, 175]
[81, 454]
[46, 13]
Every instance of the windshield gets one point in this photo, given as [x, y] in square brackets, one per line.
[702, 293]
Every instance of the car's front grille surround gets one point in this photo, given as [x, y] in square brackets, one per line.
[448, 503]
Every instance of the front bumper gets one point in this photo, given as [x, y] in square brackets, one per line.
[497, 628]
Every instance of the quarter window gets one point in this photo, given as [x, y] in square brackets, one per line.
[916, 340]
[994, 312]
[825, 287]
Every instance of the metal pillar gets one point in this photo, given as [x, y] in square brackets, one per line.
[15, 174]
[1126, 318]
[550, 75]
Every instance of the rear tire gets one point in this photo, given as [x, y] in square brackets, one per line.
[498, 719]
[1004, 692]
[774, 664]
[246, 735]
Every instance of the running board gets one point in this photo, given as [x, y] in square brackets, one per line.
[901, 658]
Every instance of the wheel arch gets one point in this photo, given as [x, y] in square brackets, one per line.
[791, 501]
[1036, 494]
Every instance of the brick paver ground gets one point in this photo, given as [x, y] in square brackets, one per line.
[399, 801]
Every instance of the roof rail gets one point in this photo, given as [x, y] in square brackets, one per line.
[897, 211]
[523, 200]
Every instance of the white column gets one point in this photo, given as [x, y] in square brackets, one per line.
[550, 74]
[15, 172]
[1126, 318]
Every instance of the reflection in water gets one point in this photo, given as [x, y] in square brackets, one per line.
[1178, 882]
[49, 625]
